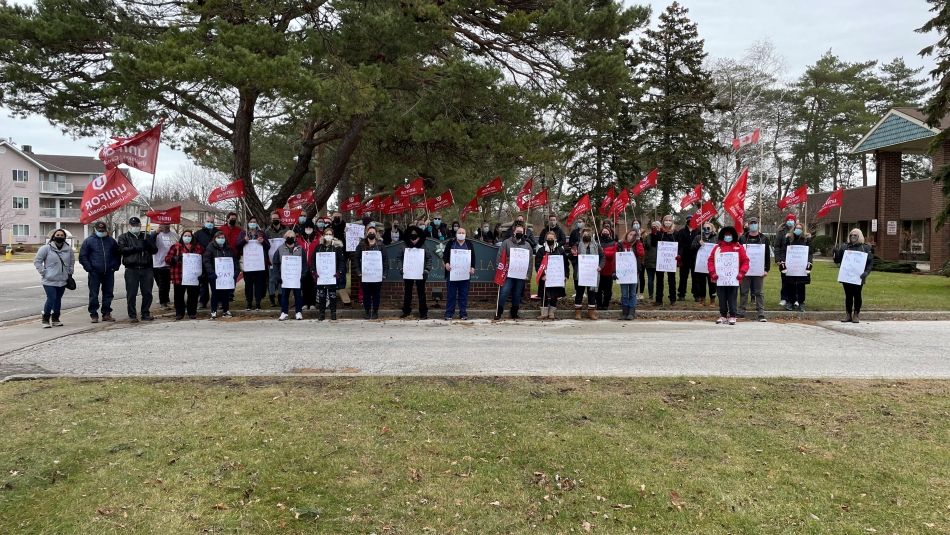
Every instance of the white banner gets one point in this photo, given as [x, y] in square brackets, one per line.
[727, 269]
[666, 253]
[413, 263]
[519, 263]
[190, 269]
[756, 253]
[371, 265]
[461, 262]
[852, 267]
[224, 271]
[353, 233]
[253, 256]
[702, 258]
[326, 269]
[554, 273]
[291, 269]
[274, 244]
[796, 260]
[626, 267]
[587, 274]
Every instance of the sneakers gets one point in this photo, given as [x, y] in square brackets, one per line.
[214, 315]
[227, 314]
[720, 321]
[283, 317]
[762, 319]
[463, 318]
[801, 307]
[789, 307]
[94, 319]
[45, 321]
[732, 321]
[782, 303]
[298, 316]
[847, 319]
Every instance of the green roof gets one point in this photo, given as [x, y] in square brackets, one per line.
[894, 129]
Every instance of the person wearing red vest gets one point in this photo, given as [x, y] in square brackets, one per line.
[605, 290]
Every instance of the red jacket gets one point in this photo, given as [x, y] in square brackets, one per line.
[309, 249]
[636, 247]
[234, 237]
[723, 247]
[173, 258]
[610, 259]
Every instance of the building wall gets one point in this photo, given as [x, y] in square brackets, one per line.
[9, 161]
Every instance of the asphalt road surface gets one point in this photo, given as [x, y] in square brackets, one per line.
[21, 291]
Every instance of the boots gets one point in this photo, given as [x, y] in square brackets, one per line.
[856, 318]
[592, 313]
[55, 320]
[552, 313]
[45, 321]
[499, 312]
[544, 313]
[577, 314]
[847, 319]
[323, 310]
[514, 313]
[623, 313]
[333, 309]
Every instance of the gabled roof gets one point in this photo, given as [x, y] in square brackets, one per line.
[901, 129]
[58, 163]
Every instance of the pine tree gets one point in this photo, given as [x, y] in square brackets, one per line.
[939, 104]
[900, 85]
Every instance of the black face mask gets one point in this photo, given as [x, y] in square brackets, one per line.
[232, 222]
[59, 239]
[587, 238]
[550, 242]
[289, 241]
[414, 237]
[275, 222]
[371, 236]
[337, 220]
[519, 235]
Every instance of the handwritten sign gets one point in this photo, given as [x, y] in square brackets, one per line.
[554, 274]
[326, 269]
[702, 258]
[253, 257]
[756, 253]
[666, 253]
[224, 270]
[626, 267]
[587, 274]
[353, 234]
[518, 263]
[274, 244]
[727, 269]
[371, 264]
[413, 263]
[291, 269]
[190, 269]
[461, 262]
[796, 260]
[852, 267]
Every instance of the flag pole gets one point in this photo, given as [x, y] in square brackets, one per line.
[838, 228]
[594, 230]
[761, 177]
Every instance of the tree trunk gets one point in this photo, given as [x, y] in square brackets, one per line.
[344, 151]
[864, 170]
[241, 147]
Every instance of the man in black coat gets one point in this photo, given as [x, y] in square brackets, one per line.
[137, 249]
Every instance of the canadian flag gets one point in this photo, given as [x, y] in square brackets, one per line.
[540, 200]
[501, 272]
[139, 151]
[234, 190]
[607, 202]
[583, 205]
[799, 196]
[523, 196]
[106, 194]
[416, 187]
[301, 199]
[288, 216]
[351, 203]
[734, 202]
[470, 208]
[168, 216]
[695, 195]
[620, 203]
[835, 200]
[492, 187]
[705, 213]
[749, 139]
[648, 182]
[444, 200]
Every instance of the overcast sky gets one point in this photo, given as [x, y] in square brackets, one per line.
[801, 30]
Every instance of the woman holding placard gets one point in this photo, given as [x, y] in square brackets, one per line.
[328, 266]
[590, 261]
[605, 290]
[256, 263]
[795, 263]
[667, 259]
[219, 266]
[458, 257]
[728, 263]
[416, 262]
[631, 244]
[856, 260]
[760, 258]
[289, 263]
[370, 262]
[648, 274]
[551, 251]
[702, 247]
[308, 240]
[185, 295]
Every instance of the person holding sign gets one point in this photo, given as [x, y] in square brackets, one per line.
[590, 261]
[275, 235]
[664, 233]
[328, 265]
[628, 290]
[370, 261]
[458, 257]
[728, 263]
[760, 259]
[849, 256]
[256, 264]
[289, 263]
[702, 247]
[416, 263]
[795, 281]
[219, 249]
[518, 253]
[605, 287]
[185, 296]
[551, 251]
[309, 240]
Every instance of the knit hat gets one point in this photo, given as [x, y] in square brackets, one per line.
[791, 217]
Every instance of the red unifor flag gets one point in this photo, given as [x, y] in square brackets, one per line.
[695, 195]
[416, 187]
[734, 202]
[620, 203]
[524, 196]
[583, 205]
[288, 216]
[470, 208]
[748, 139]
[492, 187]
[540, 200]
[106, 194]
[371, 205]
[234, 190]
[351, 203]
[705, 213]
[395, 206]
[139, 151]
[835, 200]
[648, 182]
[608, 201]
[421, 204]
[543, 267]
[442, 201]
[501, 272]
[301, 199]
[799, 196]
[168, 216]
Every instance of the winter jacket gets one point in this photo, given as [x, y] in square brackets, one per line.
[163, 243]
[610, 248]
[99, 255]
[439, 232]
[762, 239]
[235, 238]
[590, 248]
[558, 234]
[174, 261]
[528, 236]
[509, 244]
[487, 237]
[290, 250]
[309, 248]
[336, 246]
[427, 265]
[794, 240]
[723, 247]
[55, 265]
[273, 233]
[136, 250]
[685, 237]
[392, 235]
[217, 251]
[698, 243]
[543, 252]
[861, 247]
[454, 244]
[649, 252]
[366, 246]
[339, 229]
[203, 236]
[637, 247]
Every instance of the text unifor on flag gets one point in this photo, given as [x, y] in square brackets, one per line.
[234, 190]
[523, 197]
[695, 195]
[734, 202]
[648, 182]
[139, 151]
[835, 200]
[799, 196]
[749, 139]
[608, 201]
[106, 194]
[301, 199]
[582, 206]
[351, 203]
[492, 187]
[705, 213]
[416, 187]
[168, 216]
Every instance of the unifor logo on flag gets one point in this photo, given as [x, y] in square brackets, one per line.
[524, 196]
[492, 187]
[371, 205]
[501, 272]
[583, 205]
[139, 151]
[442, 201]
[835, 200]
[620, 203]
[288, 216]
[394, 206]
[106, 194]
[749, 139]
[168, 216]
[608, 201]
[470, 208]
[799, 196]
[734, 203]
[301, 199]
[539, 201]
[695, 195]
[705, 213]
[648, 182]
[351, 203]
[234, 190]
[416, 187]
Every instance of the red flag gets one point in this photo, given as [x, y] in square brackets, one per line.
[233, 190]
[421, 204]
[749, 139]
[524, 196]
[705, 213]
[168, 216]
[501, 272]
[139, 151]
[543, 268]
[799, 196]
[835, 200]
[394, 206]
[583, 205]
[540, 200]
[695, 195]
[648, 182]
[372, 205]
[301, 199]
[492, 187]
[608, 201]
[106, 194]
[351, 203]
[734, 202]
[442, 201]
[288, 216]
[416, 187]
[620, 203]
[470, 208]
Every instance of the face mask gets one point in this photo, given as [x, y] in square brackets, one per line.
[219, 241]
[336, 219]
[667, 224]
[455, 227]
[854, 238]
[460, 236]
[186, 239]
[520, 222]
[519, 235]
[550, 242]
[371, 236]
[252, 226]
[100, 234]
[587, 238]
[59, 239]
[209, 226]
[485, 229]
[289, 241]
[275, 222]
[301, 220]
[753, 227]
[606, 235]
[437, 221]
[321, 225]
[308, 231]
[636, 226]
[707, 231]
[580, 225]
[135, 230]
[727, 238]
[232, 222]
[797, 232]
[789, 224]
[328, 239]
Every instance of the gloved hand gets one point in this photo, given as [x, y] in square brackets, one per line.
[679, 261]
[714, 278]
[739, 277]
[212, 276]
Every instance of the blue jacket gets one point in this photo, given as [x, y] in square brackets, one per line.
[99, 255]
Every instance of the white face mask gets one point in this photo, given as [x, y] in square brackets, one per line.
[460, 236]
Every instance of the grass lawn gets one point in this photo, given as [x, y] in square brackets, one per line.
[381, 455]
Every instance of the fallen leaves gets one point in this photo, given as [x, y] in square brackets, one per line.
[415, 475]
[220, 507]
[676, 502]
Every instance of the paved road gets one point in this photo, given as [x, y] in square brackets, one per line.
[21, 292]
[893, 349]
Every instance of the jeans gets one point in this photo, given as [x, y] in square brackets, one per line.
[285, 299]
[671, 278]
[220, 297]
[273, 282]
[727, 300]
[54, 299]
[579, 296]
[163, 279]
[701, 284]
[420, 286]
[458, 292]
[371, 295]
[106, 283]
[255, 286]
[186, 300]
[852, 297]
[628, 296]
[651, 277]
[513, 288]
[138, 280]
[605, 291]
[753, 285]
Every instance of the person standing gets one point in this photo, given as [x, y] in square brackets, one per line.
[437, 230]
[255, 282]
[587, 246]
[55, 263]
[549, 295]
[219, 248]
[326, 293]
[755, 285]
[415, 239]
[457, 290]
[137, 249]
[649, 264]
[290, 247]
[275, 231]
[796, 283]
[513, 286]
[702, 282]
[203, 237]
[186, 297]
[782, 237]
[164, 239]
[309, 240]
[393, 234]
[372, 291]
[852, 292]
[661, 233]
[628, 292]
[685, 237]
[485, 234]
[99, 257]
[605, 290]
[728, 243]
[236, 238]
[528, 234]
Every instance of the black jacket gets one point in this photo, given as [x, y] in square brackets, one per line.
[558, 234]
[365, 246]
[334, 247]
[204, 236]
[760, 239]
[861, 247]
[216, 251]
[447, 253]
[137, 250]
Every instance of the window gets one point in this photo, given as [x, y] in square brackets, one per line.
[21, 175]
[21, 231]
[47, 229]
[21, 203]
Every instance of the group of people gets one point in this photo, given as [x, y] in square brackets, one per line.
[160, 258]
